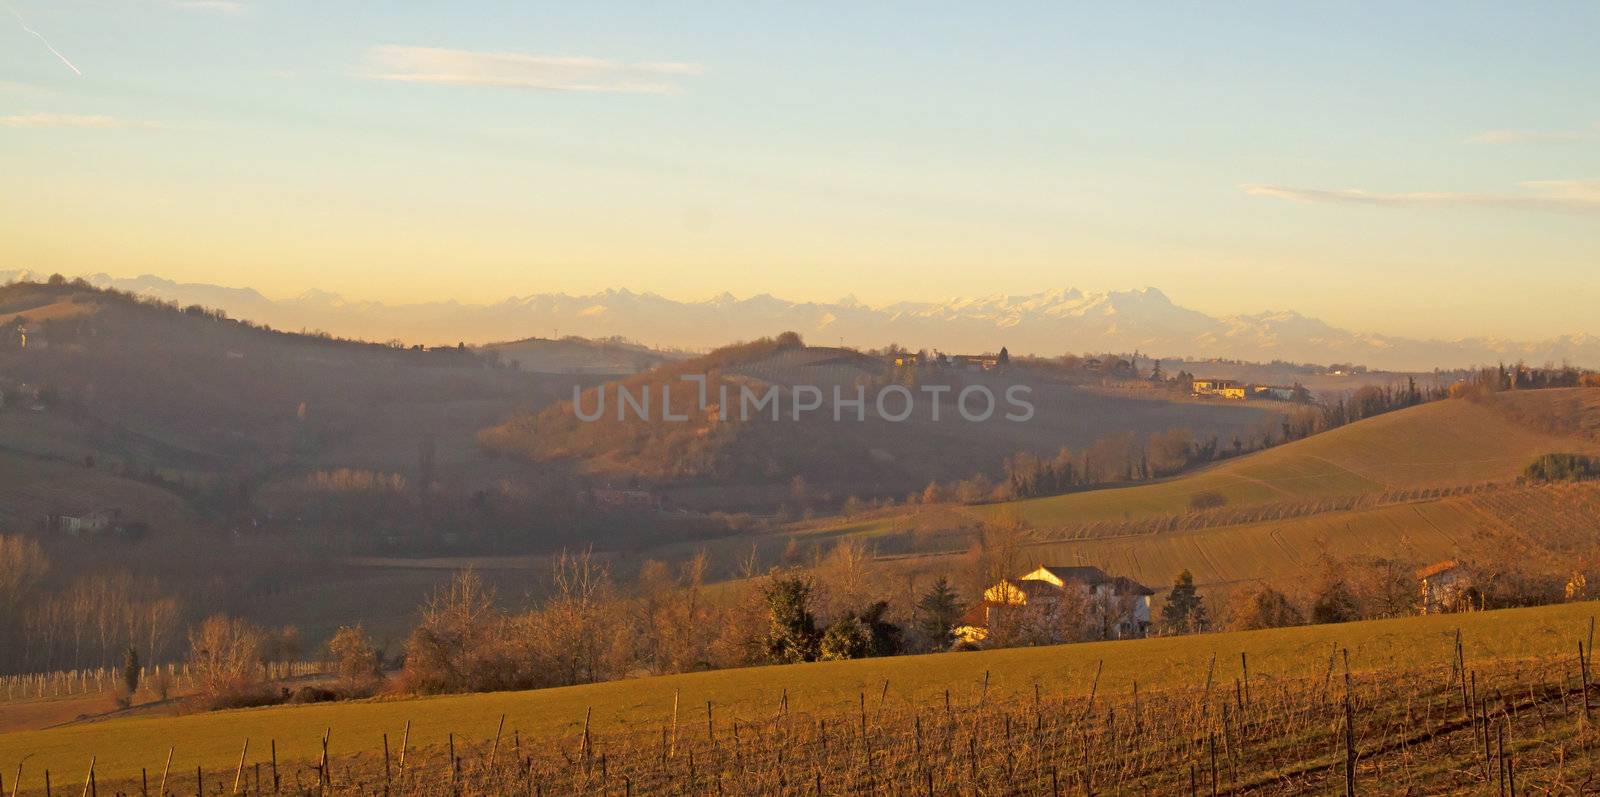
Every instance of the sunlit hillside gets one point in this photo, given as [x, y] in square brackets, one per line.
[1443, 443]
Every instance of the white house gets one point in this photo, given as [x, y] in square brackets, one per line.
[88, 523]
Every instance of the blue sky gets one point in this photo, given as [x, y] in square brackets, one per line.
[1421, 169]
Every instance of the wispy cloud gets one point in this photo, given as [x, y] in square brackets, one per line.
[523, 71]
[218, 6]
[1562, 196]
[1528, 136]
[74, 120]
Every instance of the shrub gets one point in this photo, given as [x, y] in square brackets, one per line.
[355, 661]
[1264, 608]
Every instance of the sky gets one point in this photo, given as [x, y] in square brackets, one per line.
[1420, 169]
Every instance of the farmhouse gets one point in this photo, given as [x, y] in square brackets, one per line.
[1445, 587]
[968, 362]
[1116, 607]
[975, 362]
[97, 523]
[84, 524]
[1223, 388]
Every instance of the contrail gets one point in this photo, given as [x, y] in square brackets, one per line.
[47, 44]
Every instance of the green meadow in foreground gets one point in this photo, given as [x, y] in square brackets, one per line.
[213, 740]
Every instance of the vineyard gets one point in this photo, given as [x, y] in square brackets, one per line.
[179, 678]
[1445, 704]
[1504, 726]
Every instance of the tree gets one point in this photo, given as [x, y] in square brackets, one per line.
[1332, 601]
[791, 631]
[1264, 608]
[447, 650]
[938, 612]
[130, 675]
[354, 660]
[845, 639]
[1070, 617]
[1185, 611]
[847, 578]
[861, 634]
[223, 656]
[997, 552]
[1385, 587]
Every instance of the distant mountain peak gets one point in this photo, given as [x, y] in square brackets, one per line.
[1048, 322]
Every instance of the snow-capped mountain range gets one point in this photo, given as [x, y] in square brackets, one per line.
[1050, 322]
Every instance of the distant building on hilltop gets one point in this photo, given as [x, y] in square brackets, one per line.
[976, 362]
[1223, 388]
[97, 523]
[638, 499]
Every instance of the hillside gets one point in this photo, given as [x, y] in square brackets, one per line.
[31, 488]
[871, 456]
[827, 689]
[1444, 443]
[190, 389]
[1414, 486]
[1546, 529]
[575, 355]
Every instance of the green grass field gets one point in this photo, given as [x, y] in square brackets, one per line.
[121, 747]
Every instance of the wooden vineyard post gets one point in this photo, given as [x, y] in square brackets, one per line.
[1583, 671]
[239, 772]
[672, 748]
[1349, 747]
[161, 790]
[405, 741]
[495, 750]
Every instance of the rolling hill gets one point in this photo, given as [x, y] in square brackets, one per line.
[1417, 485]
[575, 355]
[845, 455]
[1451, 442]
[190, 390]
